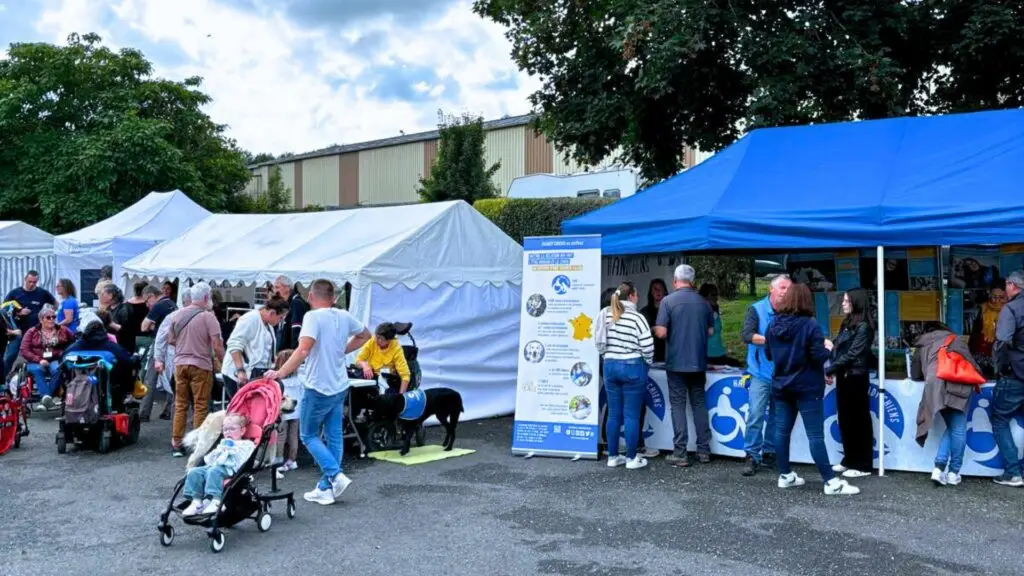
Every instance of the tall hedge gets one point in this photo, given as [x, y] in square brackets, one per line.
[522, 217]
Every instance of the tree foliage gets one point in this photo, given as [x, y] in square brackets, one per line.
[86, 131]
[276, 199]
[654, 75]
[460, 172]
[522, 217]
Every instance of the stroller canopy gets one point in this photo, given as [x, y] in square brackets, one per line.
[260, 402]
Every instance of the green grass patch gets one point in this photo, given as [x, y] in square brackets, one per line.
[732, 312]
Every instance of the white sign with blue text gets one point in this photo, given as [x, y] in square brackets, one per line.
[558, 385]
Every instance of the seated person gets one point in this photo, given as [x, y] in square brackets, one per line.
[204, 485]
[384, 351]
[42, 348]
[95, 339]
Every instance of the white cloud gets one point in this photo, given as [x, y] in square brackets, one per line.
[282, 86]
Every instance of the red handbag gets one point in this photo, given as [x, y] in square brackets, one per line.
[952, 367]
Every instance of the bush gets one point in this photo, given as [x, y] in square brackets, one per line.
[522, 217]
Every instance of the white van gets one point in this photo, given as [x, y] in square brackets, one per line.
[609, 183]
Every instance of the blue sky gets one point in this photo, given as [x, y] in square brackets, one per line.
[296, 75]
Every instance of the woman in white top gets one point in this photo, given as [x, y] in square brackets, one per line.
[253, 343]
[624, 338]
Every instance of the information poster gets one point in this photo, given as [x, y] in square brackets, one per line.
[1011, 258]
[923, 268]
[558, 385]
[847, 270]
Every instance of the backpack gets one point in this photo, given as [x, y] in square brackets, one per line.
[81, 402]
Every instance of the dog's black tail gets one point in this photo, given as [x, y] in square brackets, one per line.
[462, 410]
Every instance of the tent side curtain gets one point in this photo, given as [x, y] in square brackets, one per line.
[939, 180]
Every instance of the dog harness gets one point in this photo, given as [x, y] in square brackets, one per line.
[415, 404]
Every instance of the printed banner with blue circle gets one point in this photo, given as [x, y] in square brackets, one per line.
[558, 378]
[728, 404]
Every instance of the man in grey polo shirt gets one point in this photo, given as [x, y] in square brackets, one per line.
[686, 320]
[1008, 397]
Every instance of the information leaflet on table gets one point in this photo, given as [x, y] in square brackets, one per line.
[557, 385]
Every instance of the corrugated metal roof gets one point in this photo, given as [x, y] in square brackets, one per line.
[508, 122]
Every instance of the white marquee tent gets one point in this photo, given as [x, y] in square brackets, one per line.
[23, 248]
[157, 217]
[442, 266]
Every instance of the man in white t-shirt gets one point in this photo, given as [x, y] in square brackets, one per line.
[327, 335]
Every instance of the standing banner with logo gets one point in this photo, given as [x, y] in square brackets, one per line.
[728, 405]
[557, 385]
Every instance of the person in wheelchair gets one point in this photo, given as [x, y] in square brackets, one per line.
[94, 339]
[384, 351]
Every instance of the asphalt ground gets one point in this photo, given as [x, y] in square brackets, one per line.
[495, 514]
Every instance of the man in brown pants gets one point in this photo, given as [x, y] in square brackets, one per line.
[195, 335]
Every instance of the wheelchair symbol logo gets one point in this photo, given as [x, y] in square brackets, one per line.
[561, 284]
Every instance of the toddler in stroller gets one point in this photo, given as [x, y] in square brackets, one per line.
[229, 475]
[204, 485]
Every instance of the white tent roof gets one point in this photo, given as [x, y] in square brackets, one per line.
[20, 239]
[157, 217]
[445, 242]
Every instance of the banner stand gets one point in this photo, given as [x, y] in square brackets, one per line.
[558, 380]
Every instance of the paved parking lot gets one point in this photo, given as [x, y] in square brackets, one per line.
[492, 513]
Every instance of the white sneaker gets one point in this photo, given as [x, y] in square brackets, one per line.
[290, 465]
[650, 453]
[340, 483]
[953, 479]
[939, 477]
[47, 402]
[193, 508]
[318, 496]
[212, 508]
[616, 461]
[790, 480]
[279, 473]
[837, 487]
[636, 463]
[839, 468]
[851, 473]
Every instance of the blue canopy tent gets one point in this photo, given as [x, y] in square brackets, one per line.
[938, 180]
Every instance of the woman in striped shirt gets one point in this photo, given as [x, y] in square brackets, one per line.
[624, 338]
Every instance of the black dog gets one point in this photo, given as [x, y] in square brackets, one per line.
[413, 408]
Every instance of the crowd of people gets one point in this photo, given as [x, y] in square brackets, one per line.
[790, 362]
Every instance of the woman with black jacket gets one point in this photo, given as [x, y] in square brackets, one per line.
[851, 360]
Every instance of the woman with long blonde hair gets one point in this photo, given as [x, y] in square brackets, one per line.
[624, 338]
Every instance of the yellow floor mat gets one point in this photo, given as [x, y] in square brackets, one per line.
[420, 455]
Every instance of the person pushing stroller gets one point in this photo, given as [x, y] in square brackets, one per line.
[204, 485]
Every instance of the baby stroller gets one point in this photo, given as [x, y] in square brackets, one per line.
[260, 402]
[372, 433]
[96, 412]
[14, 412]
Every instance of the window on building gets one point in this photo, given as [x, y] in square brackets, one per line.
[595, 193]
[612, 193]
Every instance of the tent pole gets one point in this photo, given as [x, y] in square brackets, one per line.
[881, 359]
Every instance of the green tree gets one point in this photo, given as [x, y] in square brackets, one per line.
[460, 172]
[654, 75]
[260, 158]
[276, 199]
[86, 131]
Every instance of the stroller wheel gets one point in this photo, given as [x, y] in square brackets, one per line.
[167, 535]
[62, 445]
[104, 444]
[263, 521]
[217, 542]
[291, 509]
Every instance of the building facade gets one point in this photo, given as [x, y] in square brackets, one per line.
[388, 171]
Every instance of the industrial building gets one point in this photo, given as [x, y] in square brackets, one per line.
[388, 171]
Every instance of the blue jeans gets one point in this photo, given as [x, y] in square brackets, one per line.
[318, 410]
[206, 481]
[760, 435]
[953, 442]
[625, 382]
[810, 407]
[47, 379]
[11, 354]
[1007, 402]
